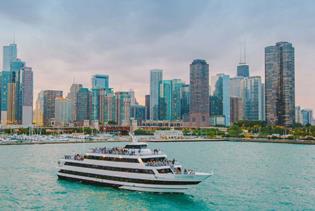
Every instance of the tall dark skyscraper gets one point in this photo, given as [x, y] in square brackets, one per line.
[280, 84]
[199, 93]
[147, 107]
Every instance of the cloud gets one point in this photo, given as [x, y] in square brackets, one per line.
[63, 40]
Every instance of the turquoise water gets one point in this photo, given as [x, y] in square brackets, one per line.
[247, 176]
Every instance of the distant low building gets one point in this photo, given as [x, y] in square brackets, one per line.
[217, 120]
[168, 134]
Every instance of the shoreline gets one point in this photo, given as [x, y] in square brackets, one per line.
[256, 140]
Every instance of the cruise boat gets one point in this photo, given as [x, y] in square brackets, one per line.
[133, 167]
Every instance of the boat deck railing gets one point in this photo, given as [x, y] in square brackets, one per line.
[124, 151]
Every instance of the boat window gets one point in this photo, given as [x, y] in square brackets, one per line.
[115, 159]
[164, 171]
[110, 168]
[158, 159]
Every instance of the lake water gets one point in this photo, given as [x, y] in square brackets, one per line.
[247, 176]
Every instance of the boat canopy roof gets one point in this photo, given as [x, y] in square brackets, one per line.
[136, 145]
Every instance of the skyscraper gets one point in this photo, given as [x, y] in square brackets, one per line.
[252, 103]
[9, 55]
[110, 109]
[177, 85]
[165, 101]
[11, 118]
[83, 105]
[147, 107]
[17, 94]
[100, 81]
[123, 108]
[242, 70]
[220, 97]
[237, 87]
[185, 102]
[298, 115]
[100, 87]
[72, 96]
[137, 112]
[98, 103]
[49, 105]
[27, 96]
[6, 79]
[236, 110]
[280, 84]
[199, 93]
[63, 111]
[133, 100]
[263, 105]
[156, 76]
[39, 109]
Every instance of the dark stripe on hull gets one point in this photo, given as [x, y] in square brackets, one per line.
[110, 168]
[130, 180]
[88, 181]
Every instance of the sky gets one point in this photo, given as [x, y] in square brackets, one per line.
[70, 40]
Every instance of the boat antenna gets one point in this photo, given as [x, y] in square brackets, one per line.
[133, 137]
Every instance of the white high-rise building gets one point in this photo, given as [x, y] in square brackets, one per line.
[298, 115]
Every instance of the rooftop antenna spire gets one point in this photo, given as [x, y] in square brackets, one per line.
[245, 51]
[240, 62]
[13, 37]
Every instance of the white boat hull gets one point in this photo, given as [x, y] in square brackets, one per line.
[130, 186]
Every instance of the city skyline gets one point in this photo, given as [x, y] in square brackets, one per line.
[128, 59]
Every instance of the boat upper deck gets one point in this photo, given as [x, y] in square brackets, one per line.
[128, 150]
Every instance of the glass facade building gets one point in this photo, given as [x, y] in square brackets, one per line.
[307, 116]
[165, 100]
[63, 111]
[177, 85]
[185, 102]
[220, 95]
[9, 55]
[123, 108]
[156, 76]
[100, 81]
[253, 96]
[83, 105]
[243, 70]
[137, 112]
